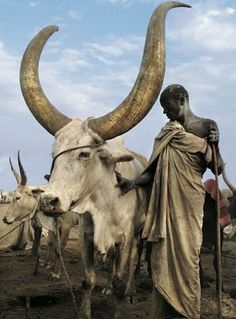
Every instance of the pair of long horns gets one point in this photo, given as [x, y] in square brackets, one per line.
[134, 107]
[20, 178]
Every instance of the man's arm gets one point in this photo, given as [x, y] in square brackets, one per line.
[127, 184]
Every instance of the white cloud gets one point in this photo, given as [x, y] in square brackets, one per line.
[9, 80]
[116, 46]
[230, 10]
[207, 28]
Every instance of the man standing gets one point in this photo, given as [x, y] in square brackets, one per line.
[173, 226]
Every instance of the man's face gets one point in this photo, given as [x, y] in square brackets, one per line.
[173, 109]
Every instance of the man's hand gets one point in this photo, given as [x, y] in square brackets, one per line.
[124, 184]
[214, 135]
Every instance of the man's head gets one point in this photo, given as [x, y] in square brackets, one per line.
[174, 100]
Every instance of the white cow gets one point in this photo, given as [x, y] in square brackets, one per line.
[23, 206]
[83, 173]
[13, 237]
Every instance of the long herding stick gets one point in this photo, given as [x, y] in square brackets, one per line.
[218, 235]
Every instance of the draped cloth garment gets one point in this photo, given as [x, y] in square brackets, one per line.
[175, 213]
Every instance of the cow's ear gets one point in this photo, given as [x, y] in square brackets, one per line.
[37, 191]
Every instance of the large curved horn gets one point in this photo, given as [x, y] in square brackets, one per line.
[148, 83]
[23, 177]
[131, 111]
[44, 112]
[227, 182]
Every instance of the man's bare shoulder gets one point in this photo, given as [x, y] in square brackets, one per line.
[200, 126]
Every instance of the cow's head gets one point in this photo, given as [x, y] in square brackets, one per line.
[81, 172]
[77, 142]
[25, 199]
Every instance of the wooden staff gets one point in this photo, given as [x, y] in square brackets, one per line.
[218, 242]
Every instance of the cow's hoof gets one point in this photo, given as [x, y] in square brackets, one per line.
[54, 276]
[48, 267]
[41, 262]
[107, 291]
[47, 264]
[119, 288]
[132, 299]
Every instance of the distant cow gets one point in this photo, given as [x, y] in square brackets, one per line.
[15, 237]
[24, 207]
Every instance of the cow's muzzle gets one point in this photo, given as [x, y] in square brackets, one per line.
[8, 219]
[51, 206]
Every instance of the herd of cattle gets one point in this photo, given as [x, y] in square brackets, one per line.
[88, 157]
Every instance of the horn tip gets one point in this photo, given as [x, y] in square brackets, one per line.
[50, 29]
[56, 28]
[180, 4]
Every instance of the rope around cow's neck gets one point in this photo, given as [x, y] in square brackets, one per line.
[12, 230]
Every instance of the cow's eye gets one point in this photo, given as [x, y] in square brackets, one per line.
[84, 155]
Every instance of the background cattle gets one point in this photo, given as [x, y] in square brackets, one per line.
[13, 237]
[23, 206]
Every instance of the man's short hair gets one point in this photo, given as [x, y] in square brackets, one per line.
[175, 91]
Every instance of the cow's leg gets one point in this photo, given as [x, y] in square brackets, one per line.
[51, 250]
[140, 252]
[119, 283]
[125, 252]
[36, 246]
[87, 255]
[36, 242]
[64, 235]
[55, 258]
[130, 287]
[108, 288]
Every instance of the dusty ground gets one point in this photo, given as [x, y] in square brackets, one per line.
[47, 299]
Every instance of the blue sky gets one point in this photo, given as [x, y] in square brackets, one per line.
[90, 65]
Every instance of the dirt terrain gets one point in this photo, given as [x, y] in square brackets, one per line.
[24, 296]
